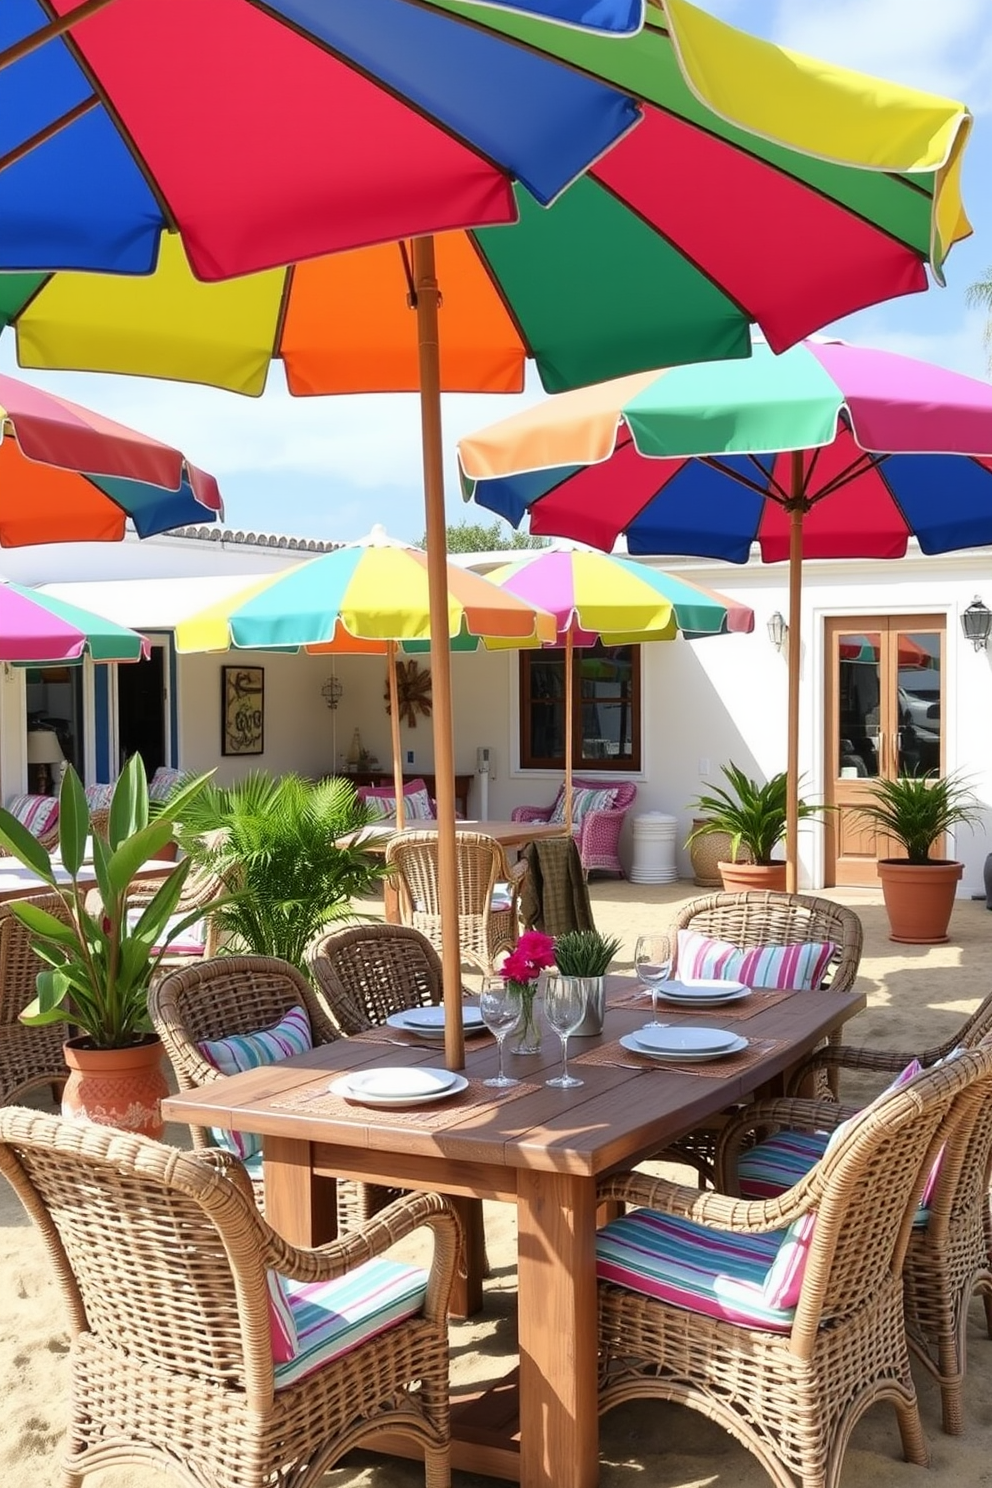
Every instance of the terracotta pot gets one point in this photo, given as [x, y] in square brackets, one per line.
[116, 1087]
[706, 853]
[919, 898]
[737, 876]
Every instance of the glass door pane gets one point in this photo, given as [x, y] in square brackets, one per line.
[857, 745]
[918, 689]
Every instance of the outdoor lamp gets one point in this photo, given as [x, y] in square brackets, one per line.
[332, 692]
[976, 622]
[777, 630]
[44, 751]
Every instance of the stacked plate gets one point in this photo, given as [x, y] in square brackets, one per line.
[428, 1022]
[683, 1045]
[697, 992]
[410, 1086]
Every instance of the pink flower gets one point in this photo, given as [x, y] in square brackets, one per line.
[534, 952]
[517, 968]
[106, 924]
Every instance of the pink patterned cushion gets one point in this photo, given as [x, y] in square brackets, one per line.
[802, 965]
[163, 783]
[417, 804]
[98, 796]
[38, 813]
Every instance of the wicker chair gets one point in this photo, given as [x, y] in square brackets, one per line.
[369, 972]
[29, 1057]
[229, 995]
[165, 1266]
[950, 1257]
[487, 925]
[598, 833]
[792, 1396]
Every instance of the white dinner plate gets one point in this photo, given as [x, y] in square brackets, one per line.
[671, 1040]
[687, 997]
[629, 1042]
[713, 987]
[428, 1022]
[413, 1086]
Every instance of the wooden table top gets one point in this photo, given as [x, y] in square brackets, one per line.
[507, 833]
[617, 1116]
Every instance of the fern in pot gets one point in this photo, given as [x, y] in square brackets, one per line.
[586, 956]
[917, 811]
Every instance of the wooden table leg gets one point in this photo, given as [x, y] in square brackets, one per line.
[390, 901]
[556, 1281]
[301, 1207]
[466, 1294]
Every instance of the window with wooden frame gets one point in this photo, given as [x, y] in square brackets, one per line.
[606, 727]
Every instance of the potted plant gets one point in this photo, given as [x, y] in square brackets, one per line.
[919, 890]
[586, 956]
[752, 816]
[290, 850]
[101, 959]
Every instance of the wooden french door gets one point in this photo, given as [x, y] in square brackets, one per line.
[883, 711]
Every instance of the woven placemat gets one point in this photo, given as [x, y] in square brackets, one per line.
[715, 1069]
[475, 1097]
[760, 999]
[386, 1035]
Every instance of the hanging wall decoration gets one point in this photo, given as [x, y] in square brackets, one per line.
[413, 689]
[242, 710]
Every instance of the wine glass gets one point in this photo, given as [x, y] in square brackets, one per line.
[564, 1008]
[499, 1004]
[653, 964]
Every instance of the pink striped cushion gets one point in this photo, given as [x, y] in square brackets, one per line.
[282, 1324]
[802, 965]
[38, 813]
[332, 1318]
[417, 804]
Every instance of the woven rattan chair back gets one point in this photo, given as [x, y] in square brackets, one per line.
[484, 932]
[767, 917]
[162, 1257]
[29, 1057]
[373, 970]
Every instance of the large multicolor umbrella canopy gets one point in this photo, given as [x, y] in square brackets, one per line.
[68, 474]
[596, 597]
[39, 629]
[862, 174]
[366, 598]
[617, 17]
[826, 191]
[831, 450]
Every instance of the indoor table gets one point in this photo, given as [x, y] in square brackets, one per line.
[537, 1147]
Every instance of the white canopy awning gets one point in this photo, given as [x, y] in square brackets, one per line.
[150, 604]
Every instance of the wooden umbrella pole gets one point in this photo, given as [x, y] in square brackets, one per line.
[569, 703]
[427, 300]
[795, 662]
[394, 729]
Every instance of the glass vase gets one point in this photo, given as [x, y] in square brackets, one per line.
[527, 1038]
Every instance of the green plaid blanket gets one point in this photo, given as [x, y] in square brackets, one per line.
[554, 896]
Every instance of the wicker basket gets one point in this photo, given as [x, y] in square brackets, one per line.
[705, 852]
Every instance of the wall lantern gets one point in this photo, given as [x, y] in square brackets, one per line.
[332, 692]
[976, 622]
[778, 631]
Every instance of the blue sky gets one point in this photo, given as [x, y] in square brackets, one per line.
[330, 467]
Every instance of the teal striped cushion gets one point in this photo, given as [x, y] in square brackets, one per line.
[333, 1317]
[714, 1272]
[244, 1051]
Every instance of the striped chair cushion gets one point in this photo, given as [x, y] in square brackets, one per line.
[381, 799]
[38, 813]
[803, 965]
[584, 800]
[282, 1324]
[332, 1318]
[163, 783]
[98, 796]
[248, 1051]
[714, 1272]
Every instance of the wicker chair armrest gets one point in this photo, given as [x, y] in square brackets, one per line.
[705, 1207]
[760, 1119]
[374, 1237]
[232, 1167]
[516, 873]
[834, 1057]
[530, 813]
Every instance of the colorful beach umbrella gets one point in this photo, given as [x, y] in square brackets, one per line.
[41, 630]
[830, 450]
[825, 191]
[596, 597]
[365, 598]
[70, 475]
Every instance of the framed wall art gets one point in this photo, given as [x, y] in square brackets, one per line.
[242, 710]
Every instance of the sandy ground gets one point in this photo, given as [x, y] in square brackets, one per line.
[917, 996]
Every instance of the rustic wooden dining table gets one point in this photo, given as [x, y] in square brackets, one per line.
[540, 1148]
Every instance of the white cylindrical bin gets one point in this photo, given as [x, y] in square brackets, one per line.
[654, 848]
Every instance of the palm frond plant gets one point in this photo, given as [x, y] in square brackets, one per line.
[750, 813]
[918, 809]
[290, 852]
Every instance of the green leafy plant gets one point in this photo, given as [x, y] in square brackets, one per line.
[585, 953]
[918, 809]
[290, 852]
[101, 961]
[753, 816]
